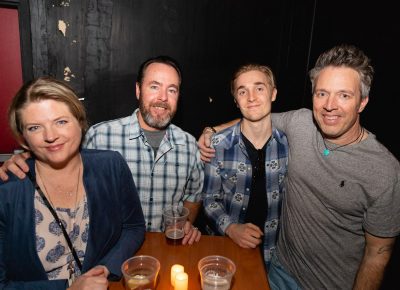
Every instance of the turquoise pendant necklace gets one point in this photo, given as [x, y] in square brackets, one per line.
[327, 150]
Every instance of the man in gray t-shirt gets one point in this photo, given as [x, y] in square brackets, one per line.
[336, 204]
[341, 216]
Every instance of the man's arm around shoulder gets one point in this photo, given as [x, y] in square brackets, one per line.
[16, 164]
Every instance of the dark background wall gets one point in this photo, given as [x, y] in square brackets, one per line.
[105, 41]
[375, 27]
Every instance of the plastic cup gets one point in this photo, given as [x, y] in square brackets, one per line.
[175, 217]
[140, 272]
[216, 272]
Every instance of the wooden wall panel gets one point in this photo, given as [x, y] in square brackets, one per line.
[105, 41]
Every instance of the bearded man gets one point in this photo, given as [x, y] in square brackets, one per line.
[164, 160]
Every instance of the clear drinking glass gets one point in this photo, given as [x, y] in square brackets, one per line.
[140, 272]
[216, 272]
[175, 217]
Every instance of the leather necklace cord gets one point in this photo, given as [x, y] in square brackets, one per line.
[327, 150]
[57, 219]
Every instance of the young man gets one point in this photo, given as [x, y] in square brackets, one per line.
[164, 160]
[340, 216]
[243, 185]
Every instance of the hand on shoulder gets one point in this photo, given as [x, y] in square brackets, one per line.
[16, 164]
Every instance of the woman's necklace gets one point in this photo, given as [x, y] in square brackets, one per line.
[328, 150]
[49, 203]
[70, 267]
[68, 193]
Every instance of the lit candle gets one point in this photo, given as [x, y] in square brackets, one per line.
[181, 281]
[175, 269]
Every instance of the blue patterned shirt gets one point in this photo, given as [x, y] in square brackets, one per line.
[174, 175]
[228, 177]
[51, 245]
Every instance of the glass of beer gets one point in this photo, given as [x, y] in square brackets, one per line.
[175, 217]
[216, 272]
[140, 272]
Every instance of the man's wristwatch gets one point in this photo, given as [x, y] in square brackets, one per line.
[209, 129]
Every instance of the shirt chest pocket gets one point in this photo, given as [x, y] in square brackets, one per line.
[230, 179]
[172, 174]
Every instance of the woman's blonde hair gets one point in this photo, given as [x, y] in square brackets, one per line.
[44, 88]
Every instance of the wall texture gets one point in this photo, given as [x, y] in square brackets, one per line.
[97, 45]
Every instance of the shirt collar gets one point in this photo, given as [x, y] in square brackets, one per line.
[134, 129]
[237, 134]
[174, 134]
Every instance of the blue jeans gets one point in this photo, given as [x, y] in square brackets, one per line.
[279, 278]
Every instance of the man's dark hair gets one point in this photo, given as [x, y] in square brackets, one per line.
[158, 59]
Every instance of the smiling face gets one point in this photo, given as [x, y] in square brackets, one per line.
[158, 95]
[254, 95]
[51, 132]
[337, 104]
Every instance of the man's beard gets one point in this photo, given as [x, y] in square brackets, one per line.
[156, 122]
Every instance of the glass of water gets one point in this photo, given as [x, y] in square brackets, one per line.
[216, 272]
[140, 272]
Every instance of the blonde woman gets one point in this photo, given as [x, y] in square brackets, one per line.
[77, 216]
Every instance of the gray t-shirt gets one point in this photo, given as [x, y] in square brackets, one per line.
[154, 138]
[331, 200]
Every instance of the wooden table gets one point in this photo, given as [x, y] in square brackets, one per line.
[250, 273]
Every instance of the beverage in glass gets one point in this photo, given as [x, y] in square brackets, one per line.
[174, 218]
[140, 272]
[174, 236]
[216, 272]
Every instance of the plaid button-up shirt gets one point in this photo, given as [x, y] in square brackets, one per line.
[174, 175]
[227, 183]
